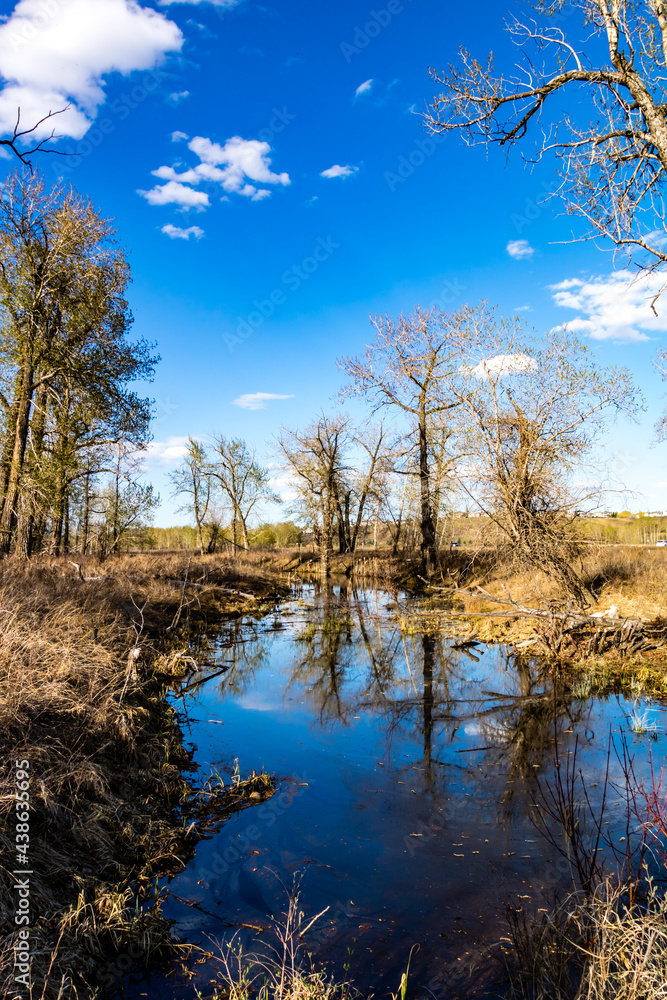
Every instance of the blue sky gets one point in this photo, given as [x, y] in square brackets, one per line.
[289, 150]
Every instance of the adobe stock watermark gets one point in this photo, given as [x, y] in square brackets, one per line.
[452, 292]
[364, 34]
[279, 122]
[408, 164]
[164, 408]
[120, 108]
[232, 851]
[28, 29]
[532, 208]
[291, 281]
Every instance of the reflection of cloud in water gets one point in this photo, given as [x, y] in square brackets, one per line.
[256, 701]
[490, 729]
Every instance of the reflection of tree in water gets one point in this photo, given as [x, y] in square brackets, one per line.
[245, 650]
[425, 685]
[350, 659]
[327, 656]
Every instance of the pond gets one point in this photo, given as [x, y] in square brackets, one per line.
[408, 771]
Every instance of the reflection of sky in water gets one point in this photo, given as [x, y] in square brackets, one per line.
[407, 773]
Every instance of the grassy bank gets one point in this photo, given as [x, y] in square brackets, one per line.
[86, 654]
[481, 598]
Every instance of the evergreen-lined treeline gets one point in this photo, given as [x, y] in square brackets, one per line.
[71, 424]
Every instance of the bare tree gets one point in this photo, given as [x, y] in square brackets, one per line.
[409, 366]
[125, 502]
[612, 144]
[193, 479]
[362, 484]
[532, 408]
[242, 480]
[20, 135]
[316, 458]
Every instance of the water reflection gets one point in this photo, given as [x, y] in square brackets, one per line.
[408, 765]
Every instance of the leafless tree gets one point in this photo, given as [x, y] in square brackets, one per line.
[316, 458]
[409, 366]
[20, 135]
[532, 408]
[242, 480]
[611, 144]
[363, 484]
[193, 479]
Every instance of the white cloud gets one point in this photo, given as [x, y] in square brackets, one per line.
[165, 454]
[257, 400]
[338, 171]
[174, 193]
[520, 249]
[178, 96]
[239, 157]
[364, 87]
[179, 136]
[523, 309]
[614, 307]
[503, 364]
[176, 233]
[54, 54]
[231, 166]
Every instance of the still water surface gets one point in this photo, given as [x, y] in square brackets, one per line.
[407, 770]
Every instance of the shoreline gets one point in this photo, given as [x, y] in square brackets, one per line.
[86, 666]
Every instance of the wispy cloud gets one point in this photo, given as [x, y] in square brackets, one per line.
[615, 307]
[520, 249]
[176, 233]
[258, 400]
[178, 95]
[179, 136]
[338, 171]
[364, 87]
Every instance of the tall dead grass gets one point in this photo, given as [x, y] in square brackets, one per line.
[593, 947]
[82, 698]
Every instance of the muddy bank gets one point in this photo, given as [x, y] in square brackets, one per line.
[92, 747]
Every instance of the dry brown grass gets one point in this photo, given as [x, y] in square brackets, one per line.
[82, 674]
[631, 577]
[593, 948]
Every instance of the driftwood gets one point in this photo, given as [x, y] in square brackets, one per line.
[572, 632]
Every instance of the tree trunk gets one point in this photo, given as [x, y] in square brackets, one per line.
[326, 541]
[8, 518]
[57, 521]
[86, 515]
[66, 529]
[428, 546]
[10, 436]
[341, 529]
[349, 547]
[24, 526]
